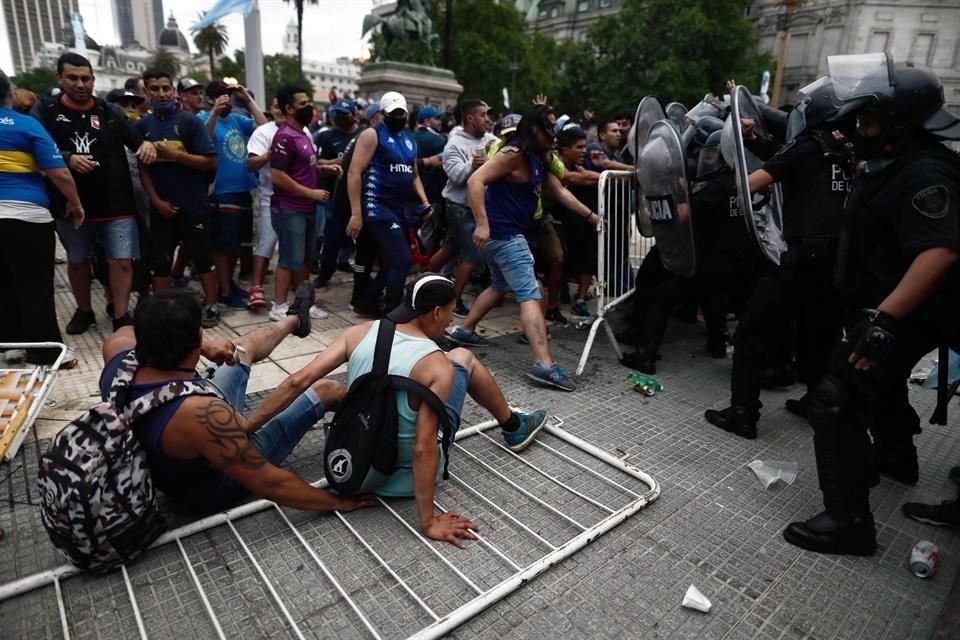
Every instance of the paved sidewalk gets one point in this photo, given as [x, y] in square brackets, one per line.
[713, 526]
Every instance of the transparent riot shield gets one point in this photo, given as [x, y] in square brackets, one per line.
[661, 171]
[675, 113]
[763, 212]
[649, 111]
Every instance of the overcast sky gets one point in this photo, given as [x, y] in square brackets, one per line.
[330, 29]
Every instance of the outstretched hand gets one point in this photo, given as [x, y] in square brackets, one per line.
[451, 527]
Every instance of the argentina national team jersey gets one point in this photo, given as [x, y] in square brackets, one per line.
[388, 181]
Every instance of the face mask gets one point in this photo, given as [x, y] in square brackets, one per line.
[395, 125]
[162, 109]
[865, 147]
[343, 120]
[304, 114]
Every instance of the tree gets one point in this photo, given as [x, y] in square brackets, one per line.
[278, 70]
[213, 39]
[677, 51]
[163, 59]
[299, 4]
[38, 80]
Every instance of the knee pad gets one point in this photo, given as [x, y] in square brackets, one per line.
[828, 402]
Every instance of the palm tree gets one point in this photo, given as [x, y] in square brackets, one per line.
[299, 4]
[164, 59]
[213, 39]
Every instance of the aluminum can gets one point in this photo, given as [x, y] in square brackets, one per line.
[924, 559]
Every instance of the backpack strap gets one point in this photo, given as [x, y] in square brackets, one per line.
[423, 392]
[123, 379]
[162, 395]
[381, 355]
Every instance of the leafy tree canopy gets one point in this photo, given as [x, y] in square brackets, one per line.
[278, 70]
[38, 80]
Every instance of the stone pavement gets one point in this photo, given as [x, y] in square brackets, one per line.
[713, 526]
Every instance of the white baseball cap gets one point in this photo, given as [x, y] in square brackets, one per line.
[391, 101]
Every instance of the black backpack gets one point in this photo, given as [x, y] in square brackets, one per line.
[360, 452]
[98, 501]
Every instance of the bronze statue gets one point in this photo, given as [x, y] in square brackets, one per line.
[409, 22]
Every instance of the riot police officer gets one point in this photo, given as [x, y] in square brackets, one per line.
[898, 262]
[795, 308]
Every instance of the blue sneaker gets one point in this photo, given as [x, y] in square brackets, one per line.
[462, 311]
[530, 424]
[580, 310]
[466, 338]
[553, 376]
[234, 300]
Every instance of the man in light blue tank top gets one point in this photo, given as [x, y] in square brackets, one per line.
[426, 311]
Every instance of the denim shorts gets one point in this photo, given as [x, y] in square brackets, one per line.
[511, 267]
[232, 218]
[295, 234]
[460, 227]
[275, 440]
[119, 239]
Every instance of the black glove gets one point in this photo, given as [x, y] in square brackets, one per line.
[876, 335]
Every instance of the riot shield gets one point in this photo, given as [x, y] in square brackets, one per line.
[648, 111]
[661, 171]
[675, 113]
[763, 212]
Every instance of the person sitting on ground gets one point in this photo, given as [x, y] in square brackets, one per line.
[427, 309]
[201, 452]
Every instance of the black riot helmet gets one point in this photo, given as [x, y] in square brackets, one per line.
[818, 107]
[711, 160]
[696, 135]
[906, 97]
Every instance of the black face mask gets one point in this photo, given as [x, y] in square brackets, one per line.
[865, 147]
[344, 121]
[395, 124]
[304, 114]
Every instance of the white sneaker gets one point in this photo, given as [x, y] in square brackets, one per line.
[317, 312]
[279, 311]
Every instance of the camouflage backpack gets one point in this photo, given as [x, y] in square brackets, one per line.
[98, 502]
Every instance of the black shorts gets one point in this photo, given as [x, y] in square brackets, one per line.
[190, 229]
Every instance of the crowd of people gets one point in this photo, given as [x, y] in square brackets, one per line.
[166, 182]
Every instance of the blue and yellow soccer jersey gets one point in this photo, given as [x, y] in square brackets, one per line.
[26, 149]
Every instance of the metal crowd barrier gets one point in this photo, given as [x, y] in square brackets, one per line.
[620, 250]
[536, 510]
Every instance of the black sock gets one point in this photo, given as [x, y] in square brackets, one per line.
[512, 424]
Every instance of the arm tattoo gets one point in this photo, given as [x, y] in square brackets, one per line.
[220, 421]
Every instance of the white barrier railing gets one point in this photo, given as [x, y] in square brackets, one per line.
[573, 512]
[620, 250]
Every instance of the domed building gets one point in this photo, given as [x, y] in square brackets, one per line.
[172, 38]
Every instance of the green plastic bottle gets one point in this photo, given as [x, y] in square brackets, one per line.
[647, 385]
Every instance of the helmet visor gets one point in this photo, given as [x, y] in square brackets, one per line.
[858, 75]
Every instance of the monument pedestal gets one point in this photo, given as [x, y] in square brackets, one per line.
[420, 84]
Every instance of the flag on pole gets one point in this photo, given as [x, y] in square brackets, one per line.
[223, 8]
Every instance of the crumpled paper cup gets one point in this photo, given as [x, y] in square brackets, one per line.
[693, 599]
[769, 471]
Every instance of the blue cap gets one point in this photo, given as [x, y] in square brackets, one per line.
[428, 111]
[507, 124]
[372, 110]
[344, 105]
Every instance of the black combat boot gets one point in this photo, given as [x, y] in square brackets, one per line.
[799, 406]
[717, 344]
[643, 360]
[738, 420]
[824, 533]
[778, 377]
